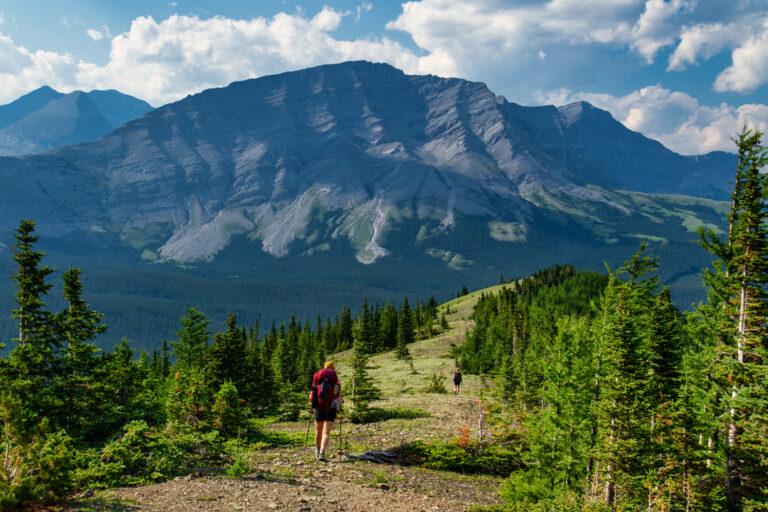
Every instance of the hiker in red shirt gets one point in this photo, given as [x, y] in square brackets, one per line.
[326, 401]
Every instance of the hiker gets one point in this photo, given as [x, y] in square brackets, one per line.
[326, 401]
[456, 381]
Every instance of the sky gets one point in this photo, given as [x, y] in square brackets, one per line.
[689, 73]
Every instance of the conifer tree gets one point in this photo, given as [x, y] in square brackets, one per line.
[405, 334]
[33, 364]
[366, 329]
[388, 327]
[739, 281]
[345, 330]
[363, 388]
[666, 352]
[624, 431]
[191, 351]
[288, 357]
[229, 356]
[78, 325]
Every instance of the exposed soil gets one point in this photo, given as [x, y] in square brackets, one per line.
[293, 481]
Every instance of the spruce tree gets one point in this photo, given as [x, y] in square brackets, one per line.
[191, 351]
[345, 336]
[622, 415]
[739, 283]
[33, 364]
[229, 357]
[405, 334]
[363, 388]
[78, 325]
[388, 327]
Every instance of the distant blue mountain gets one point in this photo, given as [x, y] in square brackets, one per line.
[45, 118]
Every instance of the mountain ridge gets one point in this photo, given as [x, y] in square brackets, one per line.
[44, 118]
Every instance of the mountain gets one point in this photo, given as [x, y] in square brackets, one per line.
[310, 188]
[45, 118]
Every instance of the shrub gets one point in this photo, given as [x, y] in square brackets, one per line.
[474, 457]
[141, 455]
[36, 463]
[239, 467]
[228, 415]
[435, 384]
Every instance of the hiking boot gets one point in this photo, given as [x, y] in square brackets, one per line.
[321, 457]
[317, 452]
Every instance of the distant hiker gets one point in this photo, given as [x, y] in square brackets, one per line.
[326, 401]
[456, 381]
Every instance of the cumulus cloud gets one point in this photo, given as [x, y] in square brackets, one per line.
[162, 61]
[464, 29]
[22, 70]
[749, 67]
[656, 28]
[674, 118]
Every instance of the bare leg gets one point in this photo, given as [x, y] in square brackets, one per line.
[318, 433]
[327, 427]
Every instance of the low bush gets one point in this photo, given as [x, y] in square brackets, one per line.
[435, 384]
[473, 457]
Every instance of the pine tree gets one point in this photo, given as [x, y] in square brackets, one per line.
[191, 351]
[367, 329]
[405, 334]
[666, 352]
[78, 325]
[287, 355]
[33, 364]
[388, 327]
[738, 283]
[228, 356]
[345, 336]
[625, 438]
[363, 388]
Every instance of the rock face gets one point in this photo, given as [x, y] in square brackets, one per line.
[340, 152]
[45, 118]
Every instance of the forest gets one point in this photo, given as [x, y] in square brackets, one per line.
[610, 397]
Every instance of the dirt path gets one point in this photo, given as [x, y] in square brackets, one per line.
[295, 482]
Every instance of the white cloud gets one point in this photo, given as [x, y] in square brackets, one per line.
[467, 30]
[749, 67]
[702, 41]
[163, 61]
[674, 118]
[94, 34]
[22, 70]
[360, 9]
[654, 29]
[166, 60]
[98, 35]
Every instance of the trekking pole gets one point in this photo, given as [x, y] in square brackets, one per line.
[341, 420]
[309, 422]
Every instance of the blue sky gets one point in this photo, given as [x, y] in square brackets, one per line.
[689, 73]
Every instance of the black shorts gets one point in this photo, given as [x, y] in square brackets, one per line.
[329, 415]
